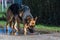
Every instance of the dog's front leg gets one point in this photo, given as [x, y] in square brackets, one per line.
[25, 31]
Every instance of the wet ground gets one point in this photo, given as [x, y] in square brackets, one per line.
[36, 36]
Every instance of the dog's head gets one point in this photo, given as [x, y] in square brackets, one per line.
[32, 22]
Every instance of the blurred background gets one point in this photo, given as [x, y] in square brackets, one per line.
[4, 4]
[47, 11]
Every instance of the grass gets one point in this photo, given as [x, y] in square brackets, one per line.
[1, 14]
[2, 23]
[48, 28]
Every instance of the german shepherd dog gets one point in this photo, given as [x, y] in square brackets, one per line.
[29, 24]
[28, 20]
[13, 16]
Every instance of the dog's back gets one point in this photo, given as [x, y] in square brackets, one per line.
[14, 8]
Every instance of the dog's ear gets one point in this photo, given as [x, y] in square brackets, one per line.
[28, 19]
[36, 18]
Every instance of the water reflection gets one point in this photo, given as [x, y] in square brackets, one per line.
[9, 32]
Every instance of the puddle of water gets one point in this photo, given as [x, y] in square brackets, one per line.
[3, 31]
[9, 32]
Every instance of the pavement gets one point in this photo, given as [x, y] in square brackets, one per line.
[54, 36]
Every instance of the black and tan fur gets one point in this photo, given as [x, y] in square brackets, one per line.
[29, 25]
